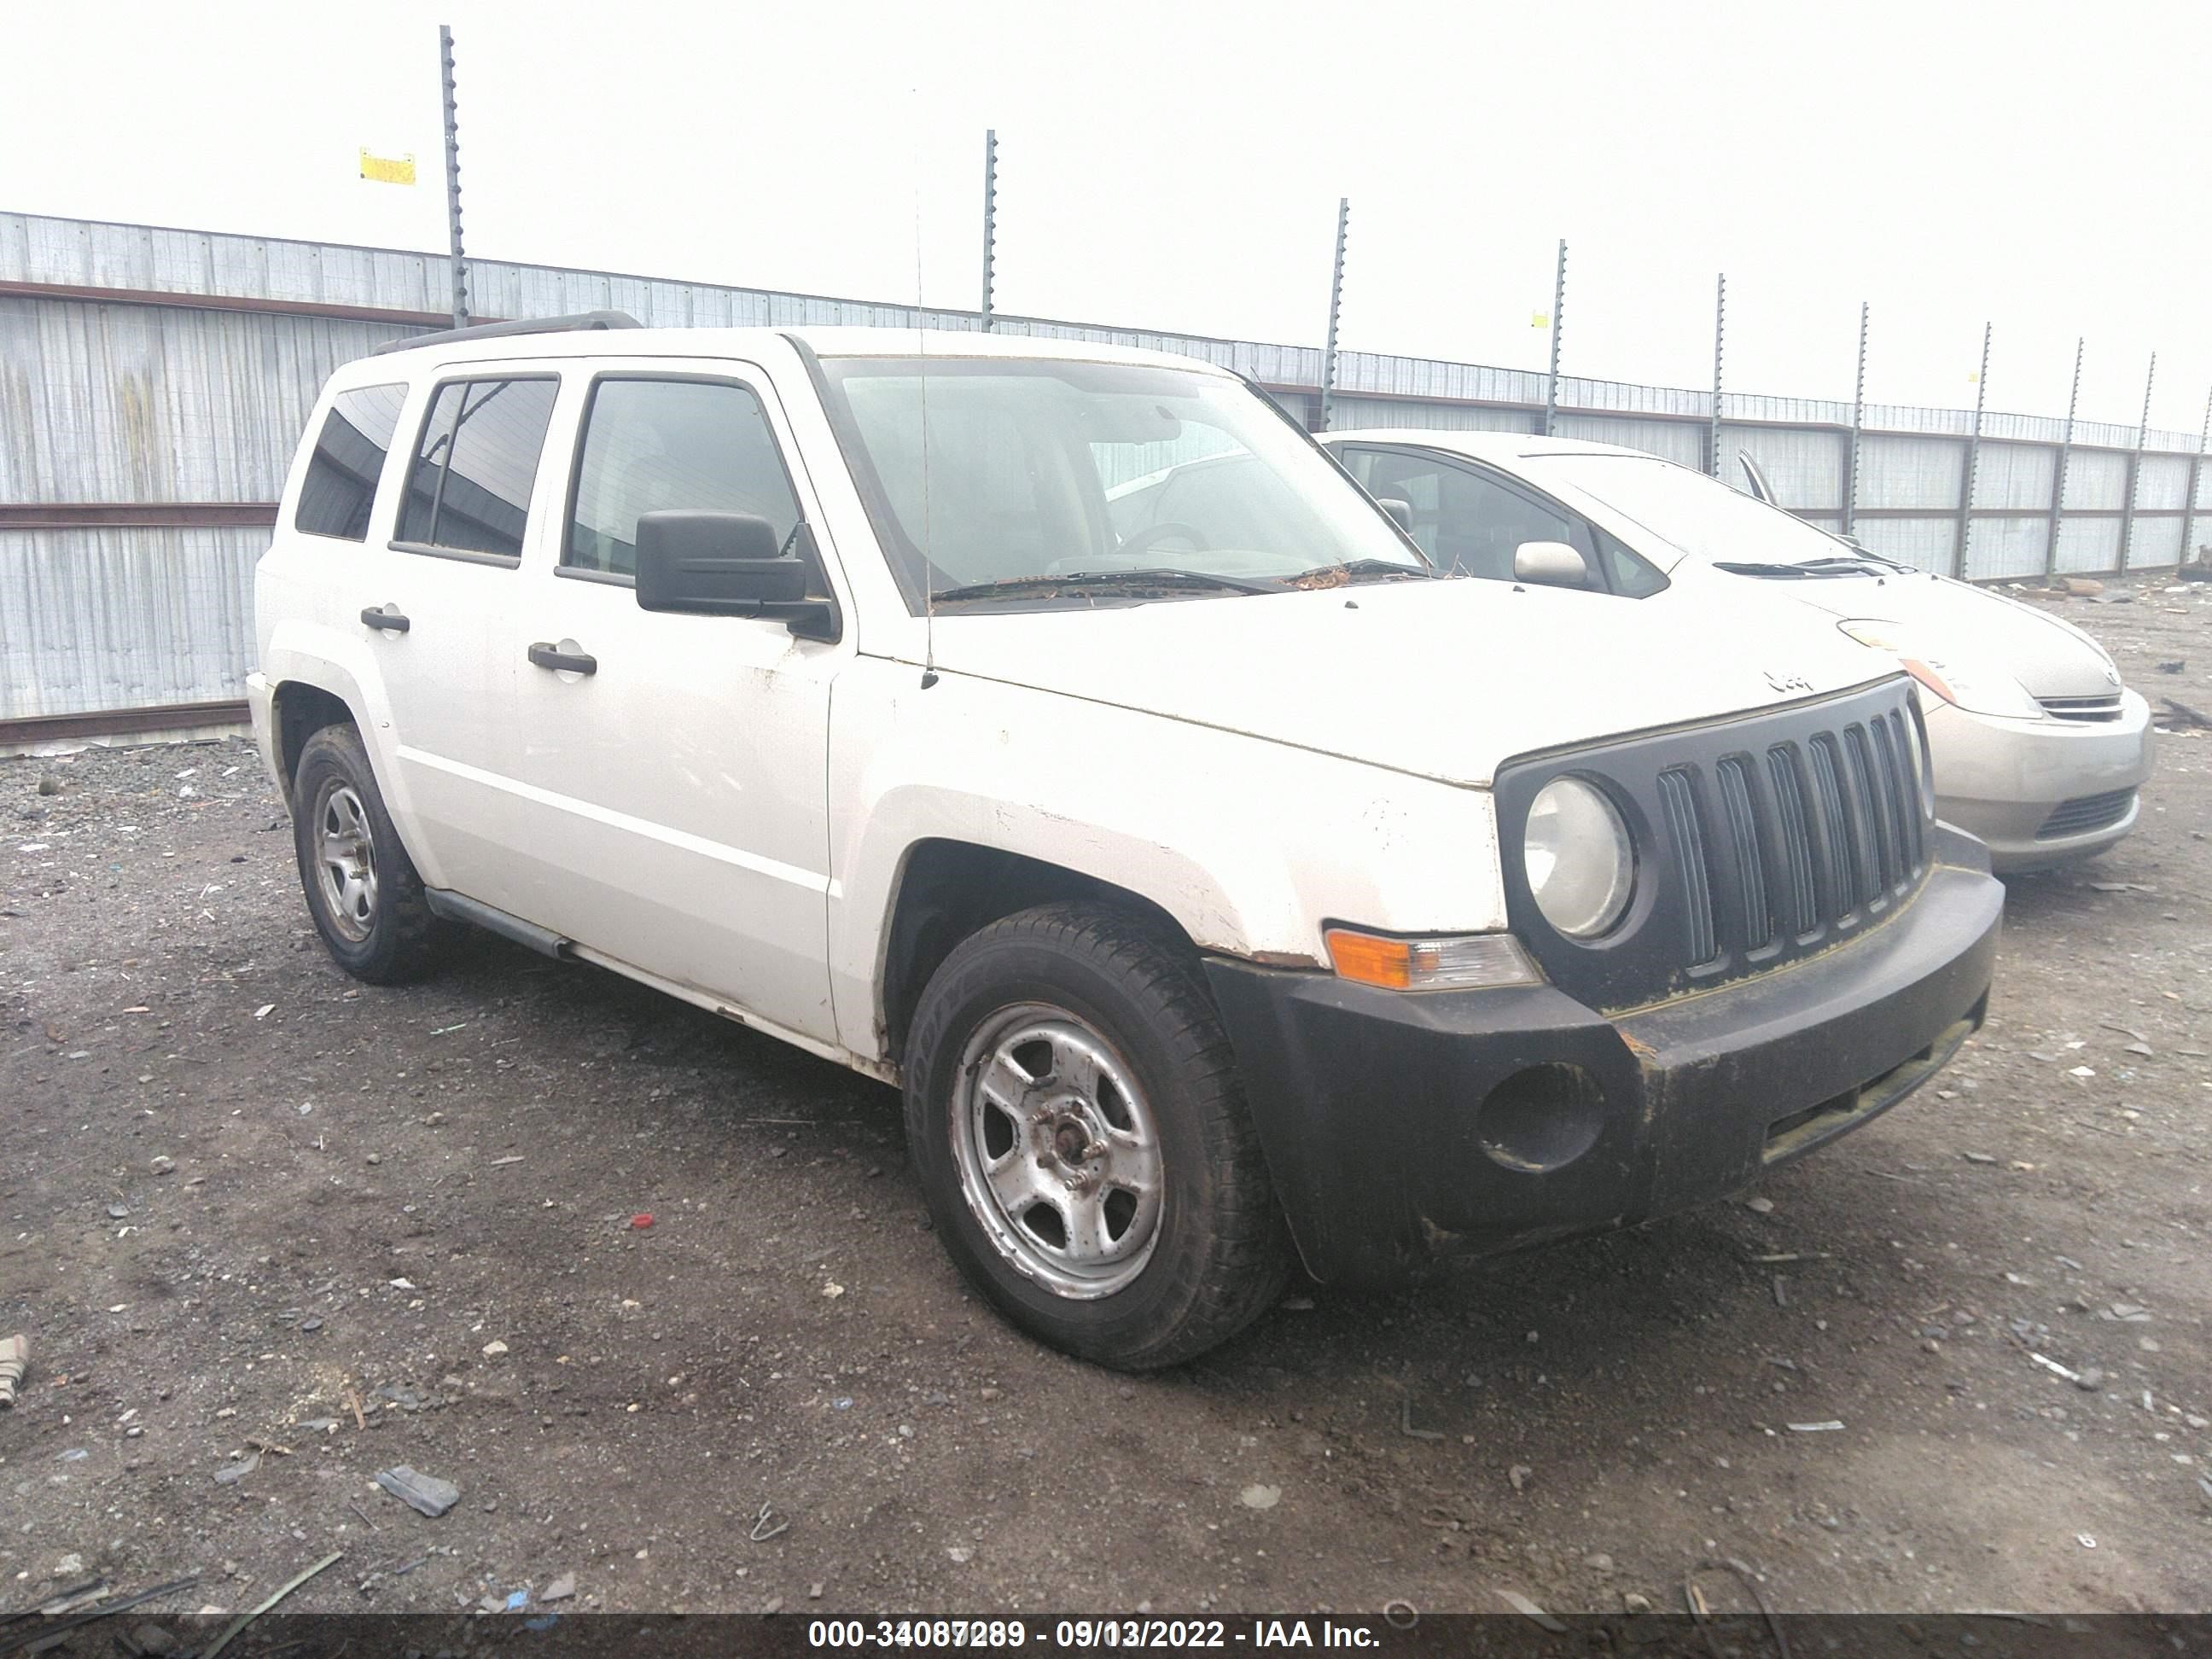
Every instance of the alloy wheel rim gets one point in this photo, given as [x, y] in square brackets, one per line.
[1058, 1151]
[345, 861]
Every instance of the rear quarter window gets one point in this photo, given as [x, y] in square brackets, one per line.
[349, 452]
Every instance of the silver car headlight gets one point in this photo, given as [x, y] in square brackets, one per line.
[1580, 860]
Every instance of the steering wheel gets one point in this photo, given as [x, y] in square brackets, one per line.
[1167, 528]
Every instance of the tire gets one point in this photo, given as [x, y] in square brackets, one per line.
[365, 898]
[1075, 1042]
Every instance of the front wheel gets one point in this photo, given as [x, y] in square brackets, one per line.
[361, 886]
[1074, 1111]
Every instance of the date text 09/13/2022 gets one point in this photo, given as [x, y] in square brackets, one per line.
[1169, 1634]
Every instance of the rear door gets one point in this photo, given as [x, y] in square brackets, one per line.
[446, 587]
[674, 768]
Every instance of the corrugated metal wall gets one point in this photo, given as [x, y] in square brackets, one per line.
[163, 376]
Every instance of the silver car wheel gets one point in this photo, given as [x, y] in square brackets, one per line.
[345, 862]
[1058, 1151]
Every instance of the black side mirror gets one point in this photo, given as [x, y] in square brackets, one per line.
[730, 564]
[1400, 509]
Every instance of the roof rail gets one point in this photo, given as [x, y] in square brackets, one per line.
[585, 320]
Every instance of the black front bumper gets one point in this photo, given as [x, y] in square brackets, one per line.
[1392, 1144]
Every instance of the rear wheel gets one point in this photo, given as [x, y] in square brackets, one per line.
[1075, 1112]
[361, 886]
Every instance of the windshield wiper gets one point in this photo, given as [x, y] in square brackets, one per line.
[1084, 581]
[1811, 570]
[1836, 564]
[1357, 568]
[1857, 562]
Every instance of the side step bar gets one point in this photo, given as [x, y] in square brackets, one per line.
[457, 907]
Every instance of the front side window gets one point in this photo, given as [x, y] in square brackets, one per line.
[1468, 523]
[650, 446]
[1053, 479]
[468, 490]
[340, 487]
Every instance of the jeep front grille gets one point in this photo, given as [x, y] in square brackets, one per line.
[1864, 849]
[1760, 841]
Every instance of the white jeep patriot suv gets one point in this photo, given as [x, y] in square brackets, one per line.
[1225, 886]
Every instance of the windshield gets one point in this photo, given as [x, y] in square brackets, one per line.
[1702, 516]
[1024, 473]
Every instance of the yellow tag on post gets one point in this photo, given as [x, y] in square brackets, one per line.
[386, 169]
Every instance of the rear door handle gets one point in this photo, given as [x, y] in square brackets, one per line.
[390, 621]
[562, 662]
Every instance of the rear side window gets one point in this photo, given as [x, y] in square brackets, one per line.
[650, 446]
[468, 491]
[348, 460]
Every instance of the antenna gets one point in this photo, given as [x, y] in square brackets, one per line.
[921, 377]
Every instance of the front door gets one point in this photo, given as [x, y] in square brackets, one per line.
[675, 767]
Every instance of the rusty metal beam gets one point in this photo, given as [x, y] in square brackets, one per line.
[120, 722]
[136, 296]
[117, 515]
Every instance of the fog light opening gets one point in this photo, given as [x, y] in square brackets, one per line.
[1541, 1118]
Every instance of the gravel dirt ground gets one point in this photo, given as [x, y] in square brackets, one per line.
[253, 1210]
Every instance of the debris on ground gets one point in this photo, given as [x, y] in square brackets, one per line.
[15, 1360]
[768, 1524]
[1815, 1428]
[231, 1473]
[1261, 1498]
[1406, 1422]
[425, 1492]
[247, 1618]
[561, 1589]
[2055, 1368]
[1528, 1609]
[48, 1636]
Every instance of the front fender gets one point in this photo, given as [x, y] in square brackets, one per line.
[1250, 846]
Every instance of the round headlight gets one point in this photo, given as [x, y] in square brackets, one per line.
[1580, 861]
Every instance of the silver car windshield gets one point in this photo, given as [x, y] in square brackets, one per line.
[993, 479]
[1702, 516]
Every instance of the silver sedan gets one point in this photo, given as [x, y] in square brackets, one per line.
[2039, 749]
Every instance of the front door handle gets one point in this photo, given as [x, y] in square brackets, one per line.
[562, 662]
[390, 622]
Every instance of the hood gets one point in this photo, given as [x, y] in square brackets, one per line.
[1444, 680]
[2050, 658]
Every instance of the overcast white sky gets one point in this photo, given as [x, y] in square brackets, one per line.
[1178, 165]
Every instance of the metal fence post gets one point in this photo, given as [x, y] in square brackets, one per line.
[1858, 428]
[1720, 330]
[990, 217]
[1335, 304]
[2196, 473]
[1973, 461]
[1559, 321]
[2134, 470]
[2065, 462]
[454, 178]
